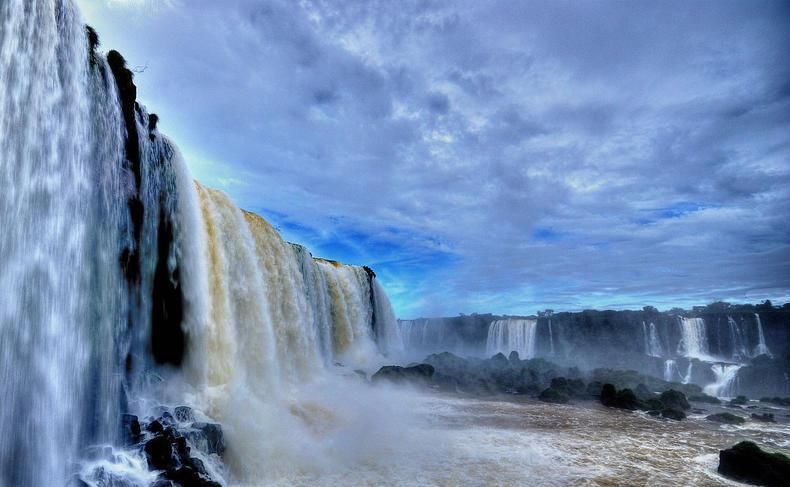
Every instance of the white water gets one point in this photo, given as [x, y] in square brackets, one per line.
[671, 372]
[726, 375]
[694, 338]
[689, 370]
[761, 348]
[61, 234]
[551, 339]
[740, 349]
[512, 334]
[653, 346]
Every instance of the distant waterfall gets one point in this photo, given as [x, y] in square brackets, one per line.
[740, 349]
[761, 348]
[652, 341]
[414, 333]
[689, 370]
[671, 372]
[510, 335]
[694, 338]
[551, 339]
[726, 376]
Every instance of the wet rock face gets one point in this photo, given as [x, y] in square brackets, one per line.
[167, 443]
[421, 374]
[746, 462]
[675, 400]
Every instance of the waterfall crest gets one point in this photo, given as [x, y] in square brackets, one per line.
[512, 334]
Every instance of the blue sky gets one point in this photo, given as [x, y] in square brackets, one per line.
[490, 156]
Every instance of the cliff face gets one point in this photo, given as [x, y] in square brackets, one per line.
[670, 345]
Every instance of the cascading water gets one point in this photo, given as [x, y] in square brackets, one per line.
[762, 347]
[113, 261]
[652, 341]
[689, 370]
[737, 340]
[694, 338]
[726, 379]
[512, 334]
[63, 225]
[551, 339]
[671, 372]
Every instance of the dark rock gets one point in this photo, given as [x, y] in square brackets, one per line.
[155, 427]
[653, 404]
[726, 418]
[130, 427]
[608, 395]
[553, 395]
[159, 453]
[184, 414]
[643, 393]
[779, 401]
[163, 483]
[624, 399]
[594, 389]
[740, 401]
[675, 414]
[654, 412]
[421, 373]
[765, 418]
[746, 462]
[704, 398]
[513, 357]
[673, 399]
[207, 437]
[188, 477]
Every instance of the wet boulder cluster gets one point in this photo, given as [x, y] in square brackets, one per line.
[746, 462]
[168, 444]
[670, 404]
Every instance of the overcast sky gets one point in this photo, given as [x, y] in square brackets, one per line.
[490, 156]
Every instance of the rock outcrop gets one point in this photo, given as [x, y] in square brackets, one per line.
[746, 462]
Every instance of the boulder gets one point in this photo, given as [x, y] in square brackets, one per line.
[765, 418]
[207, 437]
[675, 414]
[159, 453]
[420, 373]
[624, 399]
[673, 399]
[643, 393]
[130, 427]
[726, 418]
[739, 401]
[746, 462]
[553, 395]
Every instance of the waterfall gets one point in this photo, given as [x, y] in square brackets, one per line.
[726, 379]
[689, 370]
[671, 372]
[551, 339]
[652, 341]
[694, 338]
[512, 334]
[114, 262]
[737, 340]
[761, 348]
[62, 302]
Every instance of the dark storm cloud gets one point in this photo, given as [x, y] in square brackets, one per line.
[491, 156]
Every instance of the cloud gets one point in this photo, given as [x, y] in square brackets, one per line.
[500, 156]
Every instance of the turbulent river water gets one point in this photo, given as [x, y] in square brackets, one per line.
[453, 440]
